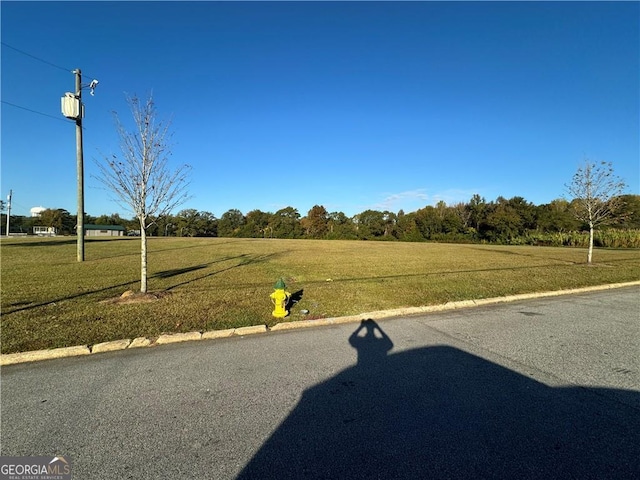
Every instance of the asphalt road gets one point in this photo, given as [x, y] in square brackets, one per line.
[546, 388]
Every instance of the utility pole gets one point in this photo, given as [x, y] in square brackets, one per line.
[9, 210]
[73, 108]
[80, 167]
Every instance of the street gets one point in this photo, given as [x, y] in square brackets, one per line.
[546, 388]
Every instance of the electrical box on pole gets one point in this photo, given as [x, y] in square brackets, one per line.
[71, 106]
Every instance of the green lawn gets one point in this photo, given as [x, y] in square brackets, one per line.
[51, 300]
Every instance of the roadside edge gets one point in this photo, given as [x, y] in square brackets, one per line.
[38, 355]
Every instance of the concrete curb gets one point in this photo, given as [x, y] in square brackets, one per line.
[140, 342]
[38, 355]
[24, 357]
[178, 337]
[213, 334]
[111, 346]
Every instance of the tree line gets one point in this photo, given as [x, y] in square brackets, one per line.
[502, 221]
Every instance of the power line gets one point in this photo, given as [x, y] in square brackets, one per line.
[40, 59]
[39, 113]
[37, 58]
[34, 111]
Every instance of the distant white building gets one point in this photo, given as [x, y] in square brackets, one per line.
[104, 230]
[44, 231]
[36, 211]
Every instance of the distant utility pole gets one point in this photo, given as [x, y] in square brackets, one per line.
[9, 209]
[73, 108]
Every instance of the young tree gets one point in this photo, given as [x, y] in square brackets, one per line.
[141, 177]
[596, 191]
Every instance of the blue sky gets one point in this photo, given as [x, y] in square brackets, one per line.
[354, 106]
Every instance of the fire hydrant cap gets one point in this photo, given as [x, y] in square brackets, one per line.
[280, 285]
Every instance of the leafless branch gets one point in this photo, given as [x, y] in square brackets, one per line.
[141, 177]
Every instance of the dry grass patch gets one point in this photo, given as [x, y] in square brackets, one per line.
[130, 296]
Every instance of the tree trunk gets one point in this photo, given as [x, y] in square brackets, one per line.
[590, 254]
[143, 258]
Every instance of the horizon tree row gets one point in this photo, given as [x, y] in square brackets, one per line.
[500, 221]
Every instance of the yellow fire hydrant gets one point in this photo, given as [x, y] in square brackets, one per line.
[280, 298]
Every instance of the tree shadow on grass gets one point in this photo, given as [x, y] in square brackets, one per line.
[441, 273]
[179, 271]
[21, 306]
[561, 261]
[246, 259]
[439, 412]
[522, 253]
[56, 242]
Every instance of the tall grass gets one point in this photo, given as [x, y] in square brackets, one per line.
[611, 238]
[51, 300]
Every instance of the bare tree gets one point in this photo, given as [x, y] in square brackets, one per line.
[596, 193]
[141, 177]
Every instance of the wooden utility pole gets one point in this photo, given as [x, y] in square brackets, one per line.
[80, 165]
[72, 108]
[9, 210]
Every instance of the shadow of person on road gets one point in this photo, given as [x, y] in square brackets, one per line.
[371, 349]
[439, 412]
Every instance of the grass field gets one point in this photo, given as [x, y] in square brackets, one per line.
[51, 300]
